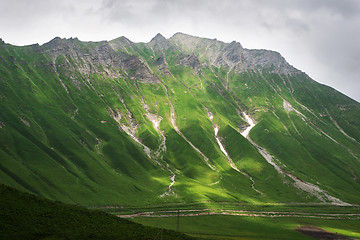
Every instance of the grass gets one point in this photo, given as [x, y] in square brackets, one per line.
[25, 216]
[280, 222]
[239, 227]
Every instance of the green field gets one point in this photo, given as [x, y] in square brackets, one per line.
[234, 227]
[223, 220]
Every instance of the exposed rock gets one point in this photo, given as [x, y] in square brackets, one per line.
[59, 46]
[206, 49]
[190, 43]
[121, 44]
[116, 115]
[142, 71]
[189, 60]
[101, 58]
[232, 55]
[115, 55]
[159, 43]
[161, 63]
[265, 59]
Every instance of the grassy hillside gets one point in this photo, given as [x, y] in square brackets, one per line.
[99, 123]
[25, 216]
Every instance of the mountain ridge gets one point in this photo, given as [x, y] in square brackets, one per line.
[139, 123]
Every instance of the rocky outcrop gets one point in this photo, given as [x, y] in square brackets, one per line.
[162, 65]
[159, 43]
[265, 59]
[119, 54]
[142, 72]
[122, 44]
[206, 49]
[232, 55]
[189, 60]
[101, 58]
[59, 46]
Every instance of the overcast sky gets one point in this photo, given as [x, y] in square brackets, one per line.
[319, 37]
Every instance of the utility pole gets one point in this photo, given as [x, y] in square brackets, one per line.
[178, 220]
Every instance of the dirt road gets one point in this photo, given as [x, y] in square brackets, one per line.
[321, 234]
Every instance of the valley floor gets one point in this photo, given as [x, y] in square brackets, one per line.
[248, 221]
[320, 233]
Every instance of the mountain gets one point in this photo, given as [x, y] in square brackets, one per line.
[184, 119]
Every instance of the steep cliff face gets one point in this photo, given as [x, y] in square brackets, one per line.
[180, 119]
[90, 58]
[233, 55]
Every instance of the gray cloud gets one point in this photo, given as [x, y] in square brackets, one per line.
[345, 8]
[319, 37]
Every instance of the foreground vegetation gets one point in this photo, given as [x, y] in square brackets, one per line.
[25, 216]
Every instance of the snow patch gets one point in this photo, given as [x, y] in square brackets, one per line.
[129, 131]
[155, 119]
[316, 191]
[338, 127]
[231, 162]
[170, 190]
[216, 130]
[289, 108]
[246, 132]
[300, 184]
[210, 115]
[173, 122]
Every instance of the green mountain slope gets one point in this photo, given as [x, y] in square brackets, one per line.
[118, 122]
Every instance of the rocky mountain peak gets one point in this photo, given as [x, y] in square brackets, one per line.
[123, 40]
[180, 35]
[55, 41]
[158, 38]
[234, 45]
[57, 46]
[204, 48]
[232, 54]
[62, 44]
[121, 44]
[266, 59]
[159, 42]
[187, 42]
